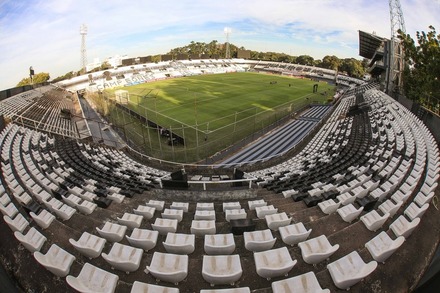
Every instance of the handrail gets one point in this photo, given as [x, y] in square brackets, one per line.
[204, 182]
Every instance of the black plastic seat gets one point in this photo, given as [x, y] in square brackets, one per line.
[242, 225]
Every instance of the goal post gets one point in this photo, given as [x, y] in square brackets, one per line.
[122, 96]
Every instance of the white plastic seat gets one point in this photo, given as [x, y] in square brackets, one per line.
[348, 213]
[86, 195]
[373, 220]
[329, 206]
[259, 240]
[400, 196]
[112, 232]
[143, 238]
[265, 210]
[235, 214]
[414, 211]
[231, 206]
[56, 260]
[168, 267]
[219, 244]
[163, 226]
[349, 270]
[130, 220]
[402, 227]
[346, 198]
[86, 207]
[305, 283]
[273, 263]
[221, 269]
[317, 249]
[204, 215]
[382, 246]
[72, 200]
[256, 203]
[139, 287]
[88, 245]
[53, 204]
[114, 189]
[93, 279]
[294, 233]
[19, 223]
[205, 206]
[146, 211]
[203, 227]
[157, 204]
[389, 207]
[116, 197]
[23, 198]
[275, 221]
[4, 200]
[422, 199]
[289, 193]
[173, 214]
[360, 191]
[65, 212]
[32, 241]
[123, 257]
[228, 290]
[10, 210]
[179, 243]
[180, 206]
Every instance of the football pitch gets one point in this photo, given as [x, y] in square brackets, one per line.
[217, 98]
[214, 111]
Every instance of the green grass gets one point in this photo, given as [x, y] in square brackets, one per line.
[214, 111]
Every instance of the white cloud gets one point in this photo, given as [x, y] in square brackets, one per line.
[45, 33]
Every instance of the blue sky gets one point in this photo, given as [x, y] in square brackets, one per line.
[45, 33]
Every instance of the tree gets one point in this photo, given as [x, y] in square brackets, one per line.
[305, 60]
[352, 67]
[37, 78]
[105, 65]
[331, 62]
[421, 76]
[68, 75]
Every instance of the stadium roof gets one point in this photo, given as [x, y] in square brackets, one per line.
[368, 44]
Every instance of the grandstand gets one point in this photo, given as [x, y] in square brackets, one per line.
[347, 209]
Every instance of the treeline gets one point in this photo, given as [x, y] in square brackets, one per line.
[350, 66]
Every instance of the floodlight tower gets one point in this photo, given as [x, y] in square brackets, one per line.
[83, 33]
[397, 63]
[227, 31]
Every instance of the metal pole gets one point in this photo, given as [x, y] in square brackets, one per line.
[235, 126]
[184, 143]
[148, 128]
[255, 117]
[157, 124]
[197, 140]
[172, 143]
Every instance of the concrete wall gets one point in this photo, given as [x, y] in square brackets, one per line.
[431, 120]
[200, 195]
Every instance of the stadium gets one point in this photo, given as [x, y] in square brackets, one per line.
[219, 175]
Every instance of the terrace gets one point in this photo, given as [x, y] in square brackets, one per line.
[370, 148]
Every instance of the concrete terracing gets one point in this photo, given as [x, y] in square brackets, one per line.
[400, 273]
